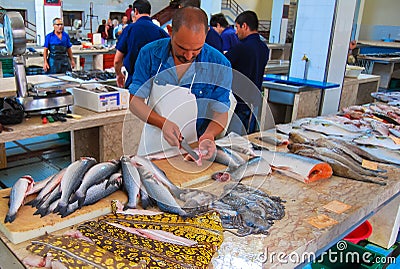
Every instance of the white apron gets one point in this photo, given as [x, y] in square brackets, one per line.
[175, 103]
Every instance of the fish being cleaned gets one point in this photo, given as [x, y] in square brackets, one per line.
[72, 179]
[237, 143]
[131, 181]
[298, 167]
[17, 196]
[94, 175]
[255, 166]
[155, 189]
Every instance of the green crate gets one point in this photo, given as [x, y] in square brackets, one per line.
[346, 255]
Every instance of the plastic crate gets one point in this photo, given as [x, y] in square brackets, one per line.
[108, 60]
[346, 255]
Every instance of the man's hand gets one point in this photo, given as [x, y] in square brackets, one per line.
[171, 133]
[72, 63]
[45, 66]
[207, 145]
[120, 80]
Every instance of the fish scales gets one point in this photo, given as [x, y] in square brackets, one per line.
[72, 179]
[157, 191]
[131, 181]
[96, 174]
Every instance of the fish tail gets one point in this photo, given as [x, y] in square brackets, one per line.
[32, 203]
[10, 218]
[81, 201]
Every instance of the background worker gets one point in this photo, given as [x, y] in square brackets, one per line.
[189, 88]
[57, 53]
[249, 57]
[133, 38]
[229, 38]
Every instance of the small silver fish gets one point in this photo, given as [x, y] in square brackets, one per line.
[18, 193]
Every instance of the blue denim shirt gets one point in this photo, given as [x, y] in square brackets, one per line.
[209, 77]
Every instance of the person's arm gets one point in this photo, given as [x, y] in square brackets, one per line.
[169, 129]
[71, 58]
[118, 62]
[45, 62]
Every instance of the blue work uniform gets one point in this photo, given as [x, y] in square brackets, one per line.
[58, 57]
[209, 78]
[133, 38]
[249, 57]
[229, 38]
[214, 39]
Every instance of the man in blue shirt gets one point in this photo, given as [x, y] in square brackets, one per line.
[249, 57]
[228, 35]
[57, 50]
[133, 38]
[188, 63]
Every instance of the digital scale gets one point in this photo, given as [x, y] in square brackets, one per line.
[31, 97]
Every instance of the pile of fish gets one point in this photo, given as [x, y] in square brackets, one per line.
[93, 74]
[249, 210]
[391, 98]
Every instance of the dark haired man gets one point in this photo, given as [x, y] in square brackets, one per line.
[249, 57]
[182, 77]
[229, 38]
[133, 38]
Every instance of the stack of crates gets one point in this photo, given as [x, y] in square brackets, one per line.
[7, 67]
[108, 61]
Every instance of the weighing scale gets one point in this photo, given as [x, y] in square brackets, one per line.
[31, 97]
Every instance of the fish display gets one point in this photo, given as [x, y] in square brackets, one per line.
[237, 143]
[248, 210]
[296, 166]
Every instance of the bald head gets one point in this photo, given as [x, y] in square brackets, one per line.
[192, 17]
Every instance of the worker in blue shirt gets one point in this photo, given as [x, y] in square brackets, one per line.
[249, 57]
[228, 35]
[187, 85]
[57, 50]
[133, 38]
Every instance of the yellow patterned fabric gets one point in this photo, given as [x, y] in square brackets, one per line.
[206, 230]
[77, 253]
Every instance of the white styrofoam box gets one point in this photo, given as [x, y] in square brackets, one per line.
[353, 71]
[85, 97]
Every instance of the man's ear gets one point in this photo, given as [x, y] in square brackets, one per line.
[245, 26]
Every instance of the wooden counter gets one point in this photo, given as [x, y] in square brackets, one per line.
[293, 236]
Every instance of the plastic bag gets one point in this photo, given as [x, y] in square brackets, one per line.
[11, 112]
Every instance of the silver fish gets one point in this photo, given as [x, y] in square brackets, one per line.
[381, 141]
[18, 193]
[39, 185]
[94, 175]
[131, 181]
[255, 166]
[165, 201]
[43, 207]
[97, 192]
[158, 173]
[50, 186]
[72, 179]
[228, 157]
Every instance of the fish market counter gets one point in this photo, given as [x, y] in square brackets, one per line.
[92, 134]
[317, 216]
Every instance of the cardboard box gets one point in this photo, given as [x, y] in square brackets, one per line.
[100, 98]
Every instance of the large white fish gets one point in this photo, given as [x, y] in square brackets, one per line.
[17, 196]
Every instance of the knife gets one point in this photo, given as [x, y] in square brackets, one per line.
[189, 150]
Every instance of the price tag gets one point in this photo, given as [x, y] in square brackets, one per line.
[369, 164]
